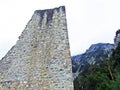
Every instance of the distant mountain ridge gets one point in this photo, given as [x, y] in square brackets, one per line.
[94, 55]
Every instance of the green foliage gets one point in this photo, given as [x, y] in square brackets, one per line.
[96, 79]
[116, 83]
[105, 76]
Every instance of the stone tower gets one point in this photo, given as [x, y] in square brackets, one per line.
[41, 59]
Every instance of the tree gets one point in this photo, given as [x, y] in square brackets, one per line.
[105, 76]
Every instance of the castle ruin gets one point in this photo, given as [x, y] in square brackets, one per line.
[40, 59]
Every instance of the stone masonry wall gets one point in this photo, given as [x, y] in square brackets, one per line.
[40, 60]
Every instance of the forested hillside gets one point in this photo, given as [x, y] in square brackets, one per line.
[105, 76]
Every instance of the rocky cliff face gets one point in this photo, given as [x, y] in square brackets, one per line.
[117, 38]
[40, 60]
[94, 55]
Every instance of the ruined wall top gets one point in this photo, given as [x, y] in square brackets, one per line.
[49, 13]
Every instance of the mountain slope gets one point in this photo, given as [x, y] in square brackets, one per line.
[94, 55]
[105, 76]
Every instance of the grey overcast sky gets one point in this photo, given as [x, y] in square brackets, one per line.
[89, 21]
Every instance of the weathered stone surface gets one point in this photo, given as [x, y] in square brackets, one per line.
[40, 60]
[117, 38]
